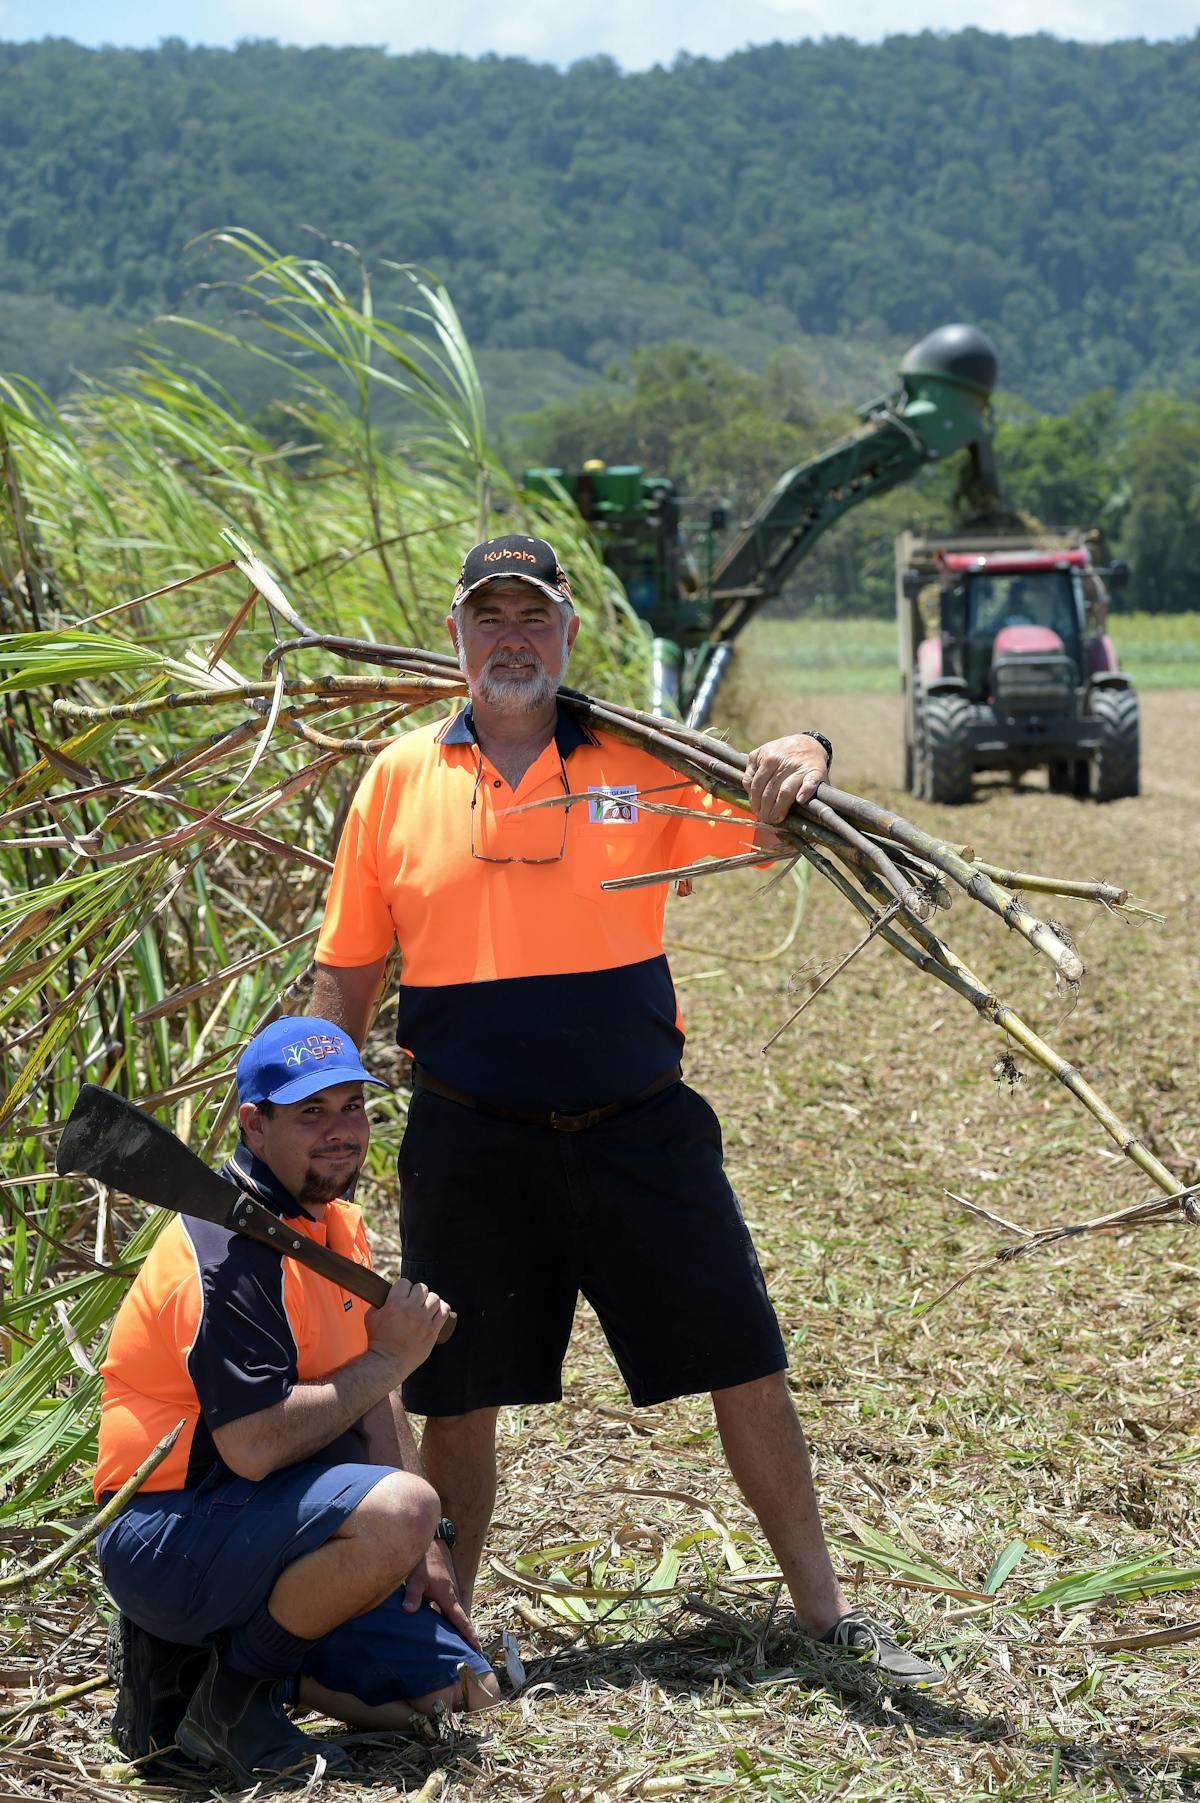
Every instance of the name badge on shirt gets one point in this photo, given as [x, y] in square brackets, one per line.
[612, 804]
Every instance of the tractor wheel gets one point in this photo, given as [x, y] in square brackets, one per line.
[1115, 766]
[947, 766]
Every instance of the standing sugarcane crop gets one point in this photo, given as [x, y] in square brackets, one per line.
[552, 1147]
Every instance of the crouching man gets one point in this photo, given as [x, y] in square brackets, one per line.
[288, 1549]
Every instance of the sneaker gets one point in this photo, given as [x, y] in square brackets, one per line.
[876, 1647]
[153, 1680]
[241, 1723]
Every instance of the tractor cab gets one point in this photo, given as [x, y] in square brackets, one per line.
[1015, 628]
[1006, 664]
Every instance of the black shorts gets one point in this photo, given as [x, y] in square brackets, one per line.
[510, 1222]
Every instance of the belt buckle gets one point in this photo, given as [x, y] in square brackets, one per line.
[573, 1123]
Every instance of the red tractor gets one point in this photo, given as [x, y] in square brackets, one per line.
[1006, 664]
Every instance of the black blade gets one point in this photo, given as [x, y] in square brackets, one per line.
[109, 1138]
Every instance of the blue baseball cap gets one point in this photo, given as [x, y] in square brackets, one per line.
[297, 1056]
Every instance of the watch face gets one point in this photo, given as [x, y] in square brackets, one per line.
[445, 1530]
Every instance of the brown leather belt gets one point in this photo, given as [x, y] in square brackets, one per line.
[545, 1117]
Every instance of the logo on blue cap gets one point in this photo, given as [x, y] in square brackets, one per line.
[296, 1057]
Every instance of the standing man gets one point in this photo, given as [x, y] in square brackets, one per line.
[551, 1145]
[266, 1559]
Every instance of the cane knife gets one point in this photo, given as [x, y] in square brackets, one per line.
[108, 1138]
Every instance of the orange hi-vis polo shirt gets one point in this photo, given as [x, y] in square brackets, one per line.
[215, 1327]
[523, 982]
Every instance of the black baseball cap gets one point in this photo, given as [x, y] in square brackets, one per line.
[513, 557]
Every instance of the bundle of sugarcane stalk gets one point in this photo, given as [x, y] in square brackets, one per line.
[896, 875]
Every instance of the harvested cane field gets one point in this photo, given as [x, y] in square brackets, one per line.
[1008, 1467]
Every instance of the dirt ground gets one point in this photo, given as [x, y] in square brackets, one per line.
[1054, 1400]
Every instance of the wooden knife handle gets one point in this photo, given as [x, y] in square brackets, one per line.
[258, 1223]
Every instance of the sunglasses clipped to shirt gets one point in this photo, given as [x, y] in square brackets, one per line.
[487, 857]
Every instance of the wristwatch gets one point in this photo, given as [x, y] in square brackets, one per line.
[446, 1530]
[808, 733]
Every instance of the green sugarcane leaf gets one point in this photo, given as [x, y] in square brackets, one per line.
[15, 1310]
[73, 1419]
[536, 1560]
[1005, 1563]
[571, 1608]
[38, 659]
[666, 1573]
[877, 1549]
[1113, 1583]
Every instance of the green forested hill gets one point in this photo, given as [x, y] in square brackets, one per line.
[1048, 191]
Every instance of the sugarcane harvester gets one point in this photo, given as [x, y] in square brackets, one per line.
[695, 601]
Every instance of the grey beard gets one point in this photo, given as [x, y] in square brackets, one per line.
[511, 697]
[498, 690]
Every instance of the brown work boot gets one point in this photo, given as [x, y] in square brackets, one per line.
[240, 1723]
[153, 1680]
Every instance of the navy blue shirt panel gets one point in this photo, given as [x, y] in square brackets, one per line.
[547, 1041]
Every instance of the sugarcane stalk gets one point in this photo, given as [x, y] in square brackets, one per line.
[717, 767]
[981, 887]
[1055, 885]
[880, 921]
[1106, 894]
[39, 1705]
[368, 651]
[975, 878]
[716, 773]
[325, 741]
[686, 872]
[712, 769]
[899, 866]
[917, 900]
[413, 686]
[923, 873]
[913, 900]
[915, 954]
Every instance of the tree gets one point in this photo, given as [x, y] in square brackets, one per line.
[1160, 534]
[1063, 468]
[719, 431]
